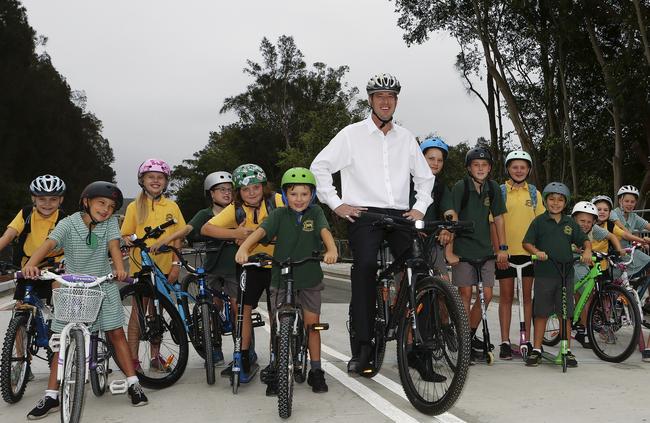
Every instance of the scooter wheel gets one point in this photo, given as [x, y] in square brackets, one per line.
[523, 350]
[489, 358]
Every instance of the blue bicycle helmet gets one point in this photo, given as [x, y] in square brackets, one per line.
[435, 142]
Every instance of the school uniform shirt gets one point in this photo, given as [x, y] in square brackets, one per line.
[633, 223]
[519, 215]
[160, 212]
[476, 244]
[227, 219]
[375, 168]
[41, 227]
[595, 235]
[555, 239]
[220, 263]
[297, 237]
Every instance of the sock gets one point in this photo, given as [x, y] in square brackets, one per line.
[507, 341]
[245, 361]
[131, 380]
[314, 364]
[52, 393]
[538, 350]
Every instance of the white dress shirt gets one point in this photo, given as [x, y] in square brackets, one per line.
[375, 168]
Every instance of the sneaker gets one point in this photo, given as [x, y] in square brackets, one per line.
[316, 379]
[583, 339]
[424, 367]
[646, 308]
[478, 344]
[645, 355]
[217, 357]
[353, 365]
[246, 377]
[45, 406]
[267, 374]
[227, 372]
[534, 358]
[571, 360]
[138, 398]
[364, 359]
[272, 389]
[505, 351]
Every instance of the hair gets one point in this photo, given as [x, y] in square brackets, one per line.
[606, 202]
[141, 209]
[267, 190]
[289, 186]
[620, 197]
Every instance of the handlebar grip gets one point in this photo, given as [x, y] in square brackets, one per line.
[168, 223]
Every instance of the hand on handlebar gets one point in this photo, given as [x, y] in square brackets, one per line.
[120, 275]
[585, 258]
[330, 257]
[541, 256]
[414, 214]
[241, 257]
[444, 237]
[156, 246]
[31, 272]
[127, 240]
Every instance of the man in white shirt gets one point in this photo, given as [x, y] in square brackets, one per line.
[376, 159]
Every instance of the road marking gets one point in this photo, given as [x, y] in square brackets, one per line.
[335, 278]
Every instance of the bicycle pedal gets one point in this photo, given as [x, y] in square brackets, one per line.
[55, 342]
[256, 320]
[118, 387]
[320, 326]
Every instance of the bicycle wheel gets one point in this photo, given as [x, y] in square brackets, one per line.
[206, 340]
[613, 324]
[285, 367]
[433, 373]
[552, 331]
[156, 336]
[72, 388]
[379, 342]
[300, 359]
[99, 375]
[190, 285]
[14, 364]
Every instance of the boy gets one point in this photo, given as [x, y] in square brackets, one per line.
[474, 198]
[299, 229]
[86, 237]
[551, 234]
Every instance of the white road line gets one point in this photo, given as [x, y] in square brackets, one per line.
[335, 278]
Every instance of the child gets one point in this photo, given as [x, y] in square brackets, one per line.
[298, 229]
[220, 259]
[87, 237]
[627, 197]
[474, 198]
[254, 200]
[524, 203]
[151, 208]
[551, 235]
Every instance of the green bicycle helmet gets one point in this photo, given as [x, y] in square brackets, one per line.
[556, 188]
[248, 174]
[298, 175]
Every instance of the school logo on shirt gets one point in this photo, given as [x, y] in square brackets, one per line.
[529, 203]
[169, 216]
[568, 230]
[308, 225]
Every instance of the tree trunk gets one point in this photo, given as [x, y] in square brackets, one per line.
[642, 30]
[568, 129]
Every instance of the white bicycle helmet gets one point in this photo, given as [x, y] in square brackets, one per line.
[383, 82]
[47, 185]
[216, 178]
[584, 207]
[627, 189]
[519, 155]
[604, 198]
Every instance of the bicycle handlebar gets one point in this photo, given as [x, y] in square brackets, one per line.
[71, 280]
[419, 225]
[150, 232]
[263, 259]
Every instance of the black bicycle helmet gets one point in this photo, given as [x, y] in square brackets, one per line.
[102, 189]
[476, 154]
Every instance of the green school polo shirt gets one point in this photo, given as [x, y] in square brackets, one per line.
[477, 244]
[297, 240]
[555, 239]
[217, 263]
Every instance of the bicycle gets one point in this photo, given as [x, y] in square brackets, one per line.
[27, 334]
[524, 343]
[426, 317]
[157, 323]
[613, 320]
[292, 338]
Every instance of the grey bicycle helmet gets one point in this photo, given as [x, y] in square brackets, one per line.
[604, 198]
[47, 185]
[556, 188]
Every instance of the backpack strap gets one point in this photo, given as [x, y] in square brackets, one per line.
[465, 199]
[610, 226]
[504, 192]
[532, 190]
[269, 202]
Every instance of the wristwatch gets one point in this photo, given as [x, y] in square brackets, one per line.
[503, 247]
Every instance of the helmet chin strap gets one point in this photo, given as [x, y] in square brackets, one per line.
[383, 122]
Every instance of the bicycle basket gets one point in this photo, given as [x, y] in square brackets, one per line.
[74, 305]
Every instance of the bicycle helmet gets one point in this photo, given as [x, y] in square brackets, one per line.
[477, 154]
[248, 174]
[584, 207]
[216, 178]
[383, 82]
[47, 185]
[519, 155]
[102, 189]
[154, 165]
[627, 189]
[556, 188]
[604, 198]
[435, 142]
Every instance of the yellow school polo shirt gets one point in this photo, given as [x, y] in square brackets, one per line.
[226, 219]
[159, 212]
[519, 215]
[40, 228]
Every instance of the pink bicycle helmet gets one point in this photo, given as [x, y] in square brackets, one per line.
[154, 165]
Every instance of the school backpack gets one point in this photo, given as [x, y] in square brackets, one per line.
[532, 191]
[240, 214]
[19, 245]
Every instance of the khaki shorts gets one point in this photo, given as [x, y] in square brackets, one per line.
[463, 274]
[308, 298]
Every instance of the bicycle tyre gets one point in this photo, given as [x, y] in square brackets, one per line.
[301, 343]
[190, 285]
[206, 329]
[13, 391]
[285, 367]
[552, 331]
[449, 347]
[379, 341]
[606, 325]
[167, 331]
[72, 388]
[99, 376]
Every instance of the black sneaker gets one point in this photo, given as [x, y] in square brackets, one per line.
[138, 398]
[227, 372]
[571, 360]
[478, 344]
[534, 358]
[45, 406]
[267, 374]
[316, 379]
[505, 351]
[646, 307]
[645, 355]
[353, 365]
[364, 359]
[424, 367]
[584, 340]
[272, 389]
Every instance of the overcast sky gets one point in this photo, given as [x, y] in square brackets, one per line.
[156, 72]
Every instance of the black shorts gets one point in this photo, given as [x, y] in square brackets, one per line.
[258, 280]
[511, 272]
[43, 289]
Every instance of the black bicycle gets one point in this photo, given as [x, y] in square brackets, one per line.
[425, 314]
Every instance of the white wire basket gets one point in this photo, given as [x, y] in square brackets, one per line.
[74, 305]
